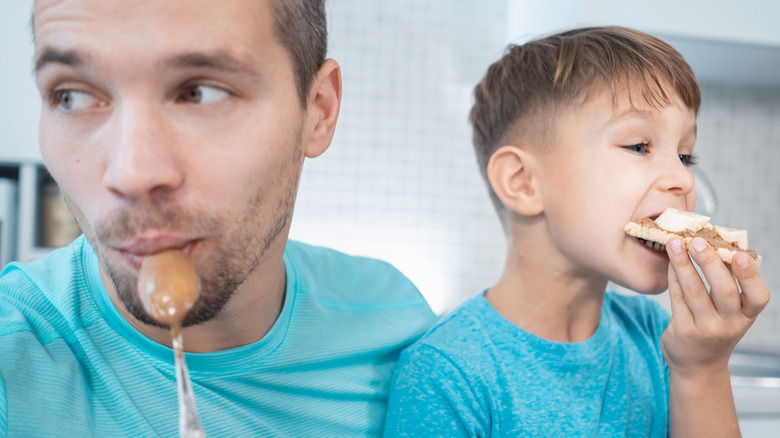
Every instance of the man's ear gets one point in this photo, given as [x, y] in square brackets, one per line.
[512, 176]
[323, 107]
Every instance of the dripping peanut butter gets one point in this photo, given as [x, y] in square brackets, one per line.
[168, 287]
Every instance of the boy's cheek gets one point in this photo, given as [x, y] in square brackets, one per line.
[690, 200]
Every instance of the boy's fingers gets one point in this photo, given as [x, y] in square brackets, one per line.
[755, 294]
[681, 313]
[693, 289]
[724, 291]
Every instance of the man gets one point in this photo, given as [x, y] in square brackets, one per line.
[183, 124]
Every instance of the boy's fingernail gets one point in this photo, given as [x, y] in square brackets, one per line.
[676, 246]
[741, 260]
[698, 244]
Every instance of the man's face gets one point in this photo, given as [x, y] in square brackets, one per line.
[171, 124]
[609, 167]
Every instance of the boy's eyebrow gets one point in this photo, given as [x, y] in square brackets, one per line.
[645, 114]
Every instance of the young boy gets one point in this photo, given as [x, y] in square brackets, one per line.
[578, 134]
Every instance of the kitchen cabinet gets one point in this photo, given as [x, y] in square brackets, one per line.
[755, 381]
[34, 212]
[723, 41]
[745, 22]
[758, 427]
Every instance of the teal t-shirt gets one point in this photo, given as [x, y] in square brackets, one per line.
[475, 374]
[71, 366]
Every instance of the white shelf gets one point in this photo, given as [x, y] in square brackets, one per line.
[28, 212]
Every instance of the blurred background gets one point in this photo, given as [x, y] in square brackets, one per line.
[400, 181]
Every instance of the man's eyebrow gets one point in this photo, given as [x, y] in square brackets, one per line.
[211, 60]
[54, 56]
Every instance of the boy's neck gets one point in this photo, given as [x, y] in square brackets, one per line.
[535, 294]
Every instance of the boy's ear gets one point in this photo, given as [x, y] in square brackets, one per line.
[512, 176]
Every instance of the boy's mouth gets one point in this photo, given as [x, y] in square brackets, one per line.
[660, 247]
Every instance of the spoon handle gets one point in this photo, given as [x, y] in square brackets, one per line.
[189, 424]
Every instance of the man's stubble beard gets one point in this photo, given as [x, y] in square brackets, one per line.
[235, 256]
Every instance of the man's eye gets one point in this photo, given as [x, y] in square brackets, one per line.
[203, 94]
[69, 100]
[688, 160]
[640, 148]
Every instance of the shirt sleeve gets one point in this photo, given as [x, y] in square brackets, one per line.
[430, 397]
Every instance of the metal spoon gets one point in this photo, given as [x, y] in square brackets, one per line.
[168, 286]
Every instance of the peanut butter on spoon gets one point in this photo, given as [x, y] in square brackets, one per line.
[168, 286]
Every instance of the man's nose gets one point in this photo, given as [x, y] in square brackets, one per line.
[141, 154]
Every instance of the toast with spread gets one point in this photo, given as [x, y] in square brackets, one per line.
[673, 223]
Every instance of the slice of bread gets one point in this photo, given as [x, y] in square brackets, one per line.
[692, 225]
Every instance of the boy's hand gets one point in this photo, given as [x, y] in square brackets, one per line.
[705, 327]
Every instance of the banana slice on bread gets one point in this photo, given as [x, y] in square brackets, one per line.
[673, 223]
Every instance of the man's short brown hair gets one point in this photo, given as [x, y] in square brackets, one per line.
[521, 92]
[302, 28]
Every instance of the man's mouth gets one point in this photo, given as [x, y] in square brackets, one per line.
[134, 251]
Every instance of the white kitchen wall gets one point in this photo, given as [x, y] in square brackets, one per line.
[739, 147]
[400, 181]
[19, 115]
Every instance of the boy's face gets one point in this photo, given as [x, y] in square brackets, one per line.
[611, 166]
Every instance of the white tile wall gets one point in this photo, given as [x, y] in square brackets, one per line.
[400, 181]
[739, 147]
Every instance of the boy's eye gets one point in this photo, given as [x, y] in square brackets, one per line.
[688, 160]
[640, 148]
[70, 100]
[202, 94]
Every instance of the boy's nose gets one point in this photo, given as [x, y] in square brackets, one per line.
[676, 177]
[141, 155]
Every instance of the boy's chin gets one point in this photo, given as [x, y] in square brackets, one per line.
[646, 288]
[654, 291]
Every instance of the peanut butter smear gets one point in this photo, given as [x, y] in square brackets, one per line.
[713, 238]
[168, 287]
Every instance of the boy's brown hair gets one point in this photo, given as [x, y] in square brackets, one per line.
[522, 92]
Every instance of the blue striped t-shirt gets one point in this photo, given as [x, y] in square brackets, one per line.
[71, 366]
